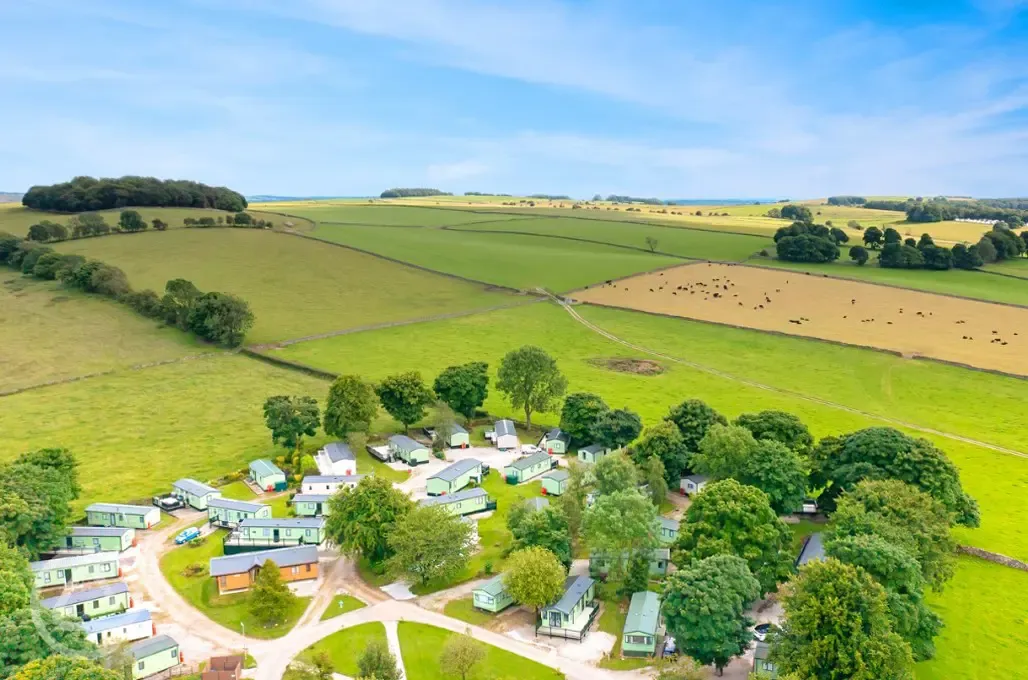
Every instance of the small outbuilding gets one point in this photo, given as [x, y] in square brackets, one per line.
[235, 573]
[491, 596]
[555, 482]
[65, 571]
[311, 504]
[592, 453]
[328, 484]
[573, 613]
[118, 515]
[762, 660]
[693, 484]
[668, 530]
[267, 475]
[86, 604]
[455, 477]
[224, 668]
[639, 637]
[193, 493]
[458, 439]
[466, 502]
[228, 512]
[336, 458]
[528, 467]
[555, 441]
[154, 655]
[410, 451]
[506, 435]
[99, 539]
[124, 627]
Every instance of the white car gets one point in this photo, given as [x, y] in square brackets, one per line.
[761, 630]
[528, 449]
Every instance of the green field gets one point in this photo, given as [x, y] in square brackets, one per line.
[340, 605]
[387, 215]
[345, 646]
[1018, 267]
[421, 646]
[465, 610]
[295, 286]
[98, 335]
[970, 284]
[523, 262]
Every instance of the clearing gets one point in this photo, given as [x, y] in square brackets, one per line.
[913, 323]
[295, 286]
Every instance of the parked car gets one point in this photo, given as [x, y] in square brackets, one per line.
[529, 449]
[761, 630]
[670, 648]
[190, 534]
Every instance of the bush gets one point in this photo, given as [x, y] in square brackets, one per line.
[195, 569]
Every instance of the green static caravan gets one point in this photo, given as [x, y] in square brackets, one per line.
[193, 493]
[63, 571]
[118, 515]
[459, 437]
[491, 596]
[275, 532]
[466, 502]
[642, 625]
[86, 604]
[267, 476]
[762, 660]
[311, 504]
[555, 482]
[228, 513]
[410, 451]
[592, 453]
[99, 539]
[528, 467]
[573, 613]
[154, 655]
[555, 441]
[668, 530]
[599, 564]
[453, 478]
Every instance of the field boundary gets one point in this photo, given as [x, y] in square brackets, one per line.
[288, 364]
[567, 238]
[995, 558]
[423, 226]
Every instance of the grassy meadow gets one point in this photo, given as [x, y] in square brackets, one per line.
[295, 286]
[50, 333]
[344, 646]
[388, 215]
[1018, 267]
[421, 646]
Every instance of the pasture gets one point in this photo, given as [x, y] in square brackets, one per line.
[49, 333]
[387, 215]
[913, 323]
[295, 286]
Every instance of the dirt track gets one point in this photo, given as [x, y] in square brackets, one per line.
[978, 334]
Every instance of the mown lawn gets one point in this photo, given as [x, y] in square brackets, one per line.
[201, 590]
[465, 610]
[421, 646]
[340, 605]
[295, 286]
[237, 491]
[50, 333]
[345, 646]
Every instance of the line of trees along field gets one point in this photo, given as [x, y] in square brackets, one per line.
[92, 224]
[89, 193]
[1013, 211]
[412, 192]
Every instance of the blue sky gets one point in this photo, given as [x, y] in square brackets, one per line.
[667, 98]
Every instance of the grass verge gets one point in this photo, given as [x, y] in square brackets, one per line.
[345, 646]
[421, 645]
[340, 605]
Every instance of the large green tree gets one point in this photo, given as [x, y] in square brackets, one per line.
[837, 625]
[36, 490]
[534, 577]
[729, 518]
[663, 441]
[693, 418]
[180, 297]
[270, 598]
[573, 501]
[619, 525]
[531, 380]
[705, 606]
[780, 426]
[221, 318]
[655, 477]
[17, 582]
[131, 220]
[404, 396]
[545, 528]
[290, 419]
[363, 517]
[723, 451]
[579, 413]
[464, 387]
[33, 633]
[430, 544]
[615, 472]
[351, 406]
[779, 472]
[60, 667]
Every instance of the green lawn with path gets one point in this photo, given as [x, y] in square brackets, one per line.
[340, 605]
[344, 646]
[421, 646]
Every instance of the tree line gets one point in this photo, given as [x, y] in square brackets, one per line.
[998, 244]
[1013, 211]
[412, 192]
[846, 200]
[616, 198]
[83, 194]
[129, 221]
[220, 318]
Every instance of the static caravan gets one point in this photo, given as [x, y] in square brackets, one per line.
[328, 484]
[466, 502]
[193, 493]
[226, 512]
[592, 453]
[639, 637]
[455, 477]
[528, 467]
[572, 614]
[311, 504]
[491, 596]
[87, 604]
[154, 655]
[126, 627]
[336, 458]
[599, 564]
[459, 438]
[813, 550]
[118, 515]
[762, 660]
[64, 571]
[267, 475]
[668, 530]
[555, 441]
[693, 484]
[99, 539]
[555, 482]
[411, 452]
[235, 573]
[506, 435]
[275, 532]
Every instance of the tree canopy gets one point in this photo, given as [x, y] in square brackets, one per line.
[543, 528]
[21, 642]
[351, 406]
[534, 577]
[615, 472]
[404, 396]
[616, 428]
[780, 426]
[430, 543]
[531, 380]
[464, 388]
[83, 194]
[60, 667]
[270, 598]
[579, 413]
[290, 419]
[693, 418]
[664, 442]
[362, 517]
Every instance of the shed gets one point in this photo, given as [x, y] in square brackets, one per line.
[408, 450]
[466, 502]
[572, 614]
[528, 467]
[311, 504]
[455, 477]
[154, 655]
[267, 475]
[85, 604]
[592, 453]
[336, 458]
[642, 624]
[227, 512]
[555, 482]
[668, 529]
[275, 532]
[63, 571]
[193, 493]
[328, 484]
[118, 515]
[224, 668]
[128, 626]
[238, 572]
[555, 441]
[813, 550]
[506, 435]
[693, 484]
[100, 539]
[491, 596]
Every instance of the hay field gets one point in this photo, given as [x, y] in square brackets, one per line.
[977, 334]
[295, 286]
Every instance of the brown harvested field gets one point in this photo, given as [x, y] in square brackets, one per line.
[978, 334]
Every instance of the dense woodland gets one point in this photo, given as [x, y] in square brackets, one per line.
[88, 193]
[412, 192]
[1013, 211]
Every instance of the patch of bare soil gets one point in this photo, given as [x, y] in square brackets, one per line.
[623, 365]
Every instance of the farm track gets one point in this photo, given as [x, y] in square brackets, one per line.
[778, 390]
